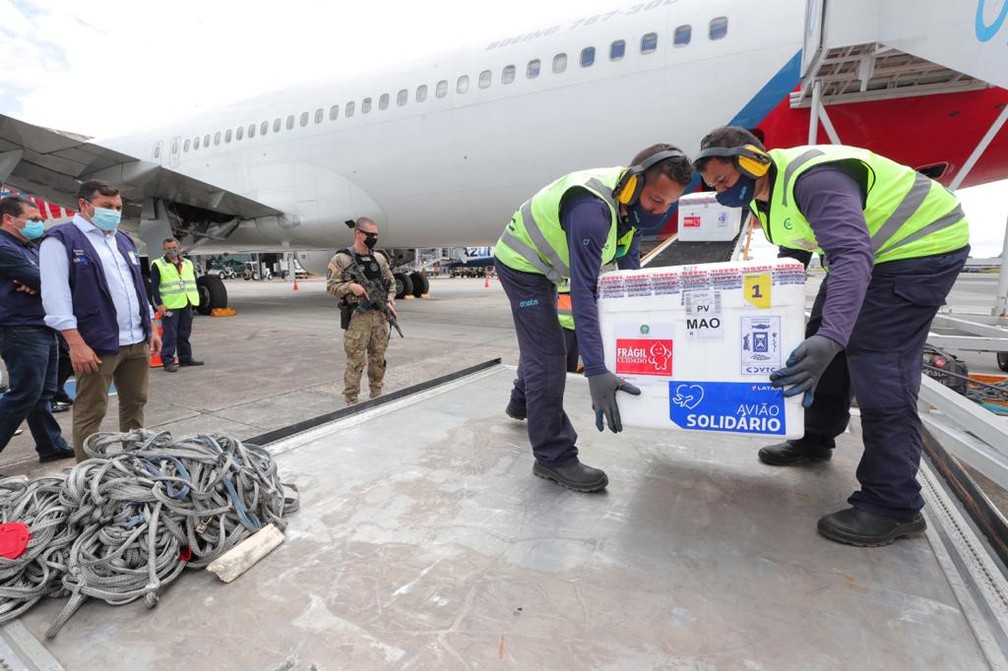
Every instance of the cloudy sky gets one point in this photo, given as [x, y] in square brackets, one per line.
[109, 66]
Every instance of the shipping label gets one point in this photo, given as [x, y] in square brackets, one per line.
[730, 407]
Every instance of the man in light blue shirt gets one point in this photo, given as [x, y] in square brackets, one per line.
[94, 294]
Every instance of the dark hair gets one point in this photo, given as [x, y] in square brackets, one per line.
[89, 188]
[678, 168]
[14, 205]
[726, 136]
[364, 221]
[167, 240]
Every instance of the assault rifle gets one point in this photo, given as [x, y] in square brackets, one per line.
[377, 295]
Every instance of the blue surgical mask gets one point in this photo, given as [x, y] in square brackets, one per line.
[646, 222]
[740, 194]
[33, 229]
[106, 219]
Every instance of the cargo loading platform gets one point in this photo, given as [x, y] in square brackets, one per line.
[425, 542]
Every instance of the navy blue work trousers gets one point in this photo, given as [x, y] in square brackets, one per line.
[882, 366]
[31, 354]
[542, 364]
[177, 329]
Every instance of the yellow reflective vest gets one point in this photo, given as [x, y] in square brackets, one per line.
[176, 290]
[908, 215]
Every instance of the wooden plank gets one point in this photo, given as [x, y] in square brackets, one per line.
[244, 556]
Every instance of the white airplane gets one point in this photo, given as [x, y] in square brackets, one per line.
[440, 153]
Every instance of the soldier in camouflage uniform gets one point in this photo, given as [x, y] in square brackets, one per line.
[367, 332]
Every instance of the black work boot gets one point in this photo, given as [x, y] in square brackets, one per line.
[576, 476]
[795, 452]
[515, 410]
[856, 527]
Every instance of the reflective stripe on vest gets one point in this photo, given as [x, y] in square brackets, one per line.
[535, 242]
[177, 291]
[565, 309]
[908, 215]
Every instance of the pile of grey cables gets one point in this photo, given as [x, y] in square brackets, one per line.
[126, 522]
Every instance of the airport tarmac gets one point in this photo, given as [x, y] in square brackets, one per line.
[280, 359]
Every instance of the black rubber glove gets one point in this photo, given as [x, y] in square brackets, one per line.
[805, 366]
[603, 388]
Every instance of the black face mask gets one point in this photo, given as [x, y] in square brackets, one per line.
[370, 240]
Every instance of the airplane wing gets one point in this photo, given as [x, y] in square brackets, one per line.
[51, 164]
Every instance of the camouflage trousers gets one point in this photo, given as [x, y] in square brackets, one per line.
[366, 337]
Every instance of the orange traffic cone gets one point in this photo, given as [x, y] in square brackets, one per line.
[155, 360]
[295, 283]
[486, 281]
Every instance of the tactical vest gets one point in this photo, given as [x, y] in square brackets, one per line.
[177, 291]
[534, 242]
[92, 300]
[908, 215]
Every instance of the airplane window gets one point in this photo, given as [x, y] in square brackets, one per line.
[185, 147]
[276, 126]
[421, 93]
[304, 119]
[252, 128]
[349, 109]
[484, 79]
[216, 138]
[442, 88]
[616, 50]
[365, 106]
[559, 63]
[587, 57]
[718, 27]
[532, 71]
[195, 144]
[507, 75]
[319, 115]
[383, 101]
[227, 136]
[264, 126]
[333, 112]
[402, 97]
[239, 133]
[174, 146]
[681, 36]
[463, 84]
[649, 43]
[157, 152]
[206, 140]
[290, 121]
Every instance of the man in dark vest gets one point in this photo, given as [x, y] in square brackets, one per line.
[94, 294]
[28, 347]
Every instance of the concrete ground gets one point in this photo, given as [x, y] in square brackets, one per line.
[280, 359]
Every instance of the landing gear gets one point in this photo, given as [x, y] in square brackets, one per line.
[212, 293]
[421, 285]
[403, 284]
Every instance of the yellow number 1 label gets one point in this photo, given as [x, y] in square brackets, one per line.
[757, 289]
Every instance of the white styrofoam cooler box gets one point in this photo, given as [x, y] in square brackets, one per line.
[700, 342]
[703, 219]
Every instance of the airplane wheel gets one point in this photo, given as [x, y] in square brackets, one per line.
[1002, 359]
[212, 292]
[421, 284]
[403, 284]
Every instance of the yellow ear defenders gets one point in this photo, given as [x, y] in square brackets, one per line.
[748, 159]
[631, 182]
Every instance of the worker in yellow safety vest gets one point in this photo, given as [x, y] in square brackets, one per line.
[174, 294]
[893, 242]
